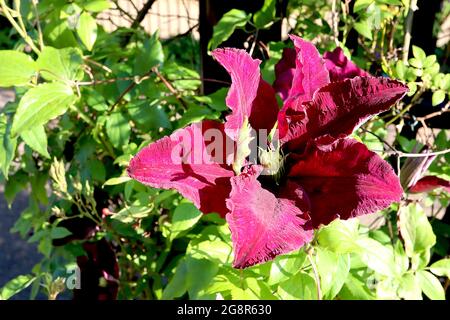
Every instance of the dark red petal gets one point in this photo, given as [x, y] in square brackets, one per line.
[184, 162]
[249, 95]
[339, 108]
[429, 183]
[284, 73]
[309, 76]
[342, 178]
[262, 225]
[340, 67]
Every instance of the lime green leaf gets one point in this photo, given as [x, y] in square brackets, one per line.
[16, 68]
[361, 5]
[409, 287]
[285, 266]
[8, 145]
[227, 24]
[217, 250]
[264, 17]
[415, 63]
[412, 86]
[391, 2]
[87, 30]
[355, 289]
[429, 61]
[377, 257]
[445, 82]
[117, 180]
[301, 286]
[36, 139]
[438, 97]
[430, 285]
[364, 28]
[15, 285]
[184, 218]
[418, 53]
[118, 129]
[441, 268]
[400, 69]
[59, 233]
[415, 230]
[333, 270]
[41, 104]
[339, 236]
[97, 5]
[433, 70]
[58, 34]
[60, 64]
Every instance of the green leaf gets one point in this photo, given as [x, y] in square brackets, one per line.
[59, 233]
[409, 287]
[419, 54]
[355, 289]
[285, 266]
[438, 97]
[433, 70]
[184, 218]
[415, 229]
[116, 180]
[415, 63]
[217, 250]
[17, 183]
[87, 30]
[118, 129]
[445, 82]
[60, 64]
[97, 5]
[361, 5]
[15, 285]
[227, 24]
[265, 16]
[441, 268]
[364, 28]
[430, 285]
[149, 116]
[200, 273]
[333, 270]
[218, 99]
[377, 257]
[177, 286]
[339, 236]
[412, 86]
[16, 68]
[58, 34]
[7, 145]
[149, 56]
[301, 286]
[400, 69]
[429, 61]
[41, 104]
[36, 139]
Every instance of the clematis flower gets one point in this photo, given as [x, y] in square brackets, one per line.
[338, 65]
[317, 174]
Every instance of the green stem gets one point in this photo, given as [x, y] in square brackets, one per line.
[21, 31]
